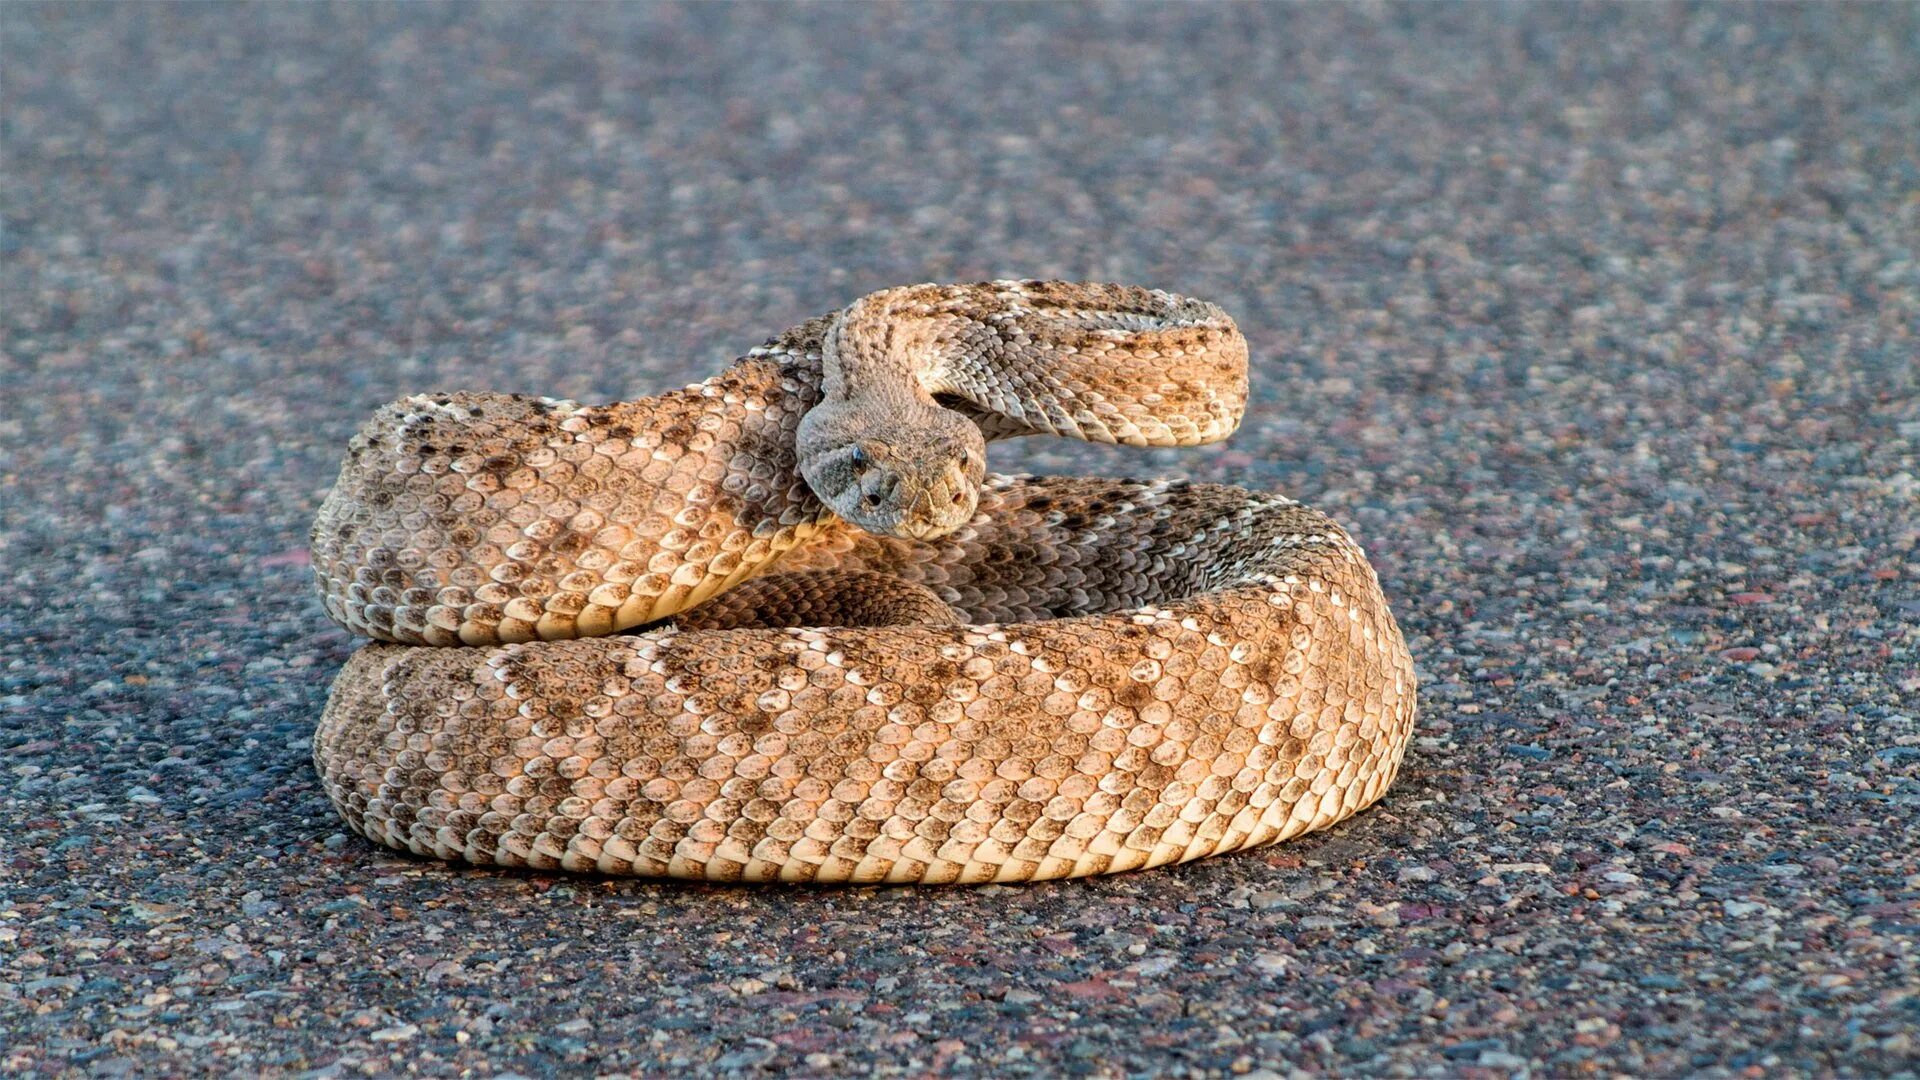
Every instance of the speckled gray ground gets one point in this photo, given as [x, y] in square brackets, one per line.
[1597, 324]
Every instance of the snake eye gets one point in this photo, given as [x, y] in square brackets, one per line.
[860, 458]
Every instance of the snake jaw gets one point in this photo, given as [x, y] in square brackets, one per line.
[943, 507]
[921, 481]
[891, 495]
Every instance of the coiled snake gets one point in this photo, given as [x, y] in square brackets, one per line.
[860, 658]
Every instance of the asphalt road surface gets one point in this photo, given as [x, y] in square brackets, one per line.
[1597, 325]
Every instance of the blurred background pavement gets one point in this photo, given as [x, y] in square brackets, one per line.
[1597, 325]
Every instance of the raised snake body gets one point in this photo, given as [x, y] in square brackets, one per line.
[997, 679]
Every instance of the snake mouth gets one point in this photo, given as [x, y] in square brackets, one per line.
[940, 509]
[889, 503]
[939, 500]
[912, 484]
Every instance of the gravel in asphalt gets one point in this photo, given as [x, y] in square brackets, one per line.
[1596, 324]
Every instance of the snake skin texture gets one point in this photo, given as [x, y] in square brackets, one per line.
[1086, 675]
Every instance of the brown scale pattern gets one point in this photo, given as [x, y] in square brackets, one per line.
[1147, 672]
[838, 597]
[1105, 363]
[479, 519]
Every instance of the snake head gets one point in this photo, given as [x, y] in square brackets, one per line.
[911, 470]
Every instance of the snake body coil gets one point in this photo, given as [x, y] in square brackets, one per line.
[882, 664]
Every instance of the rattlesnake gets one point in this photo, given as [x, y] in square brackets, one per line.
[996, 679]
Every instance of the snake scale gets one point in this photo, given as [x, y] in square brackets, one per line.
[782, 625]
